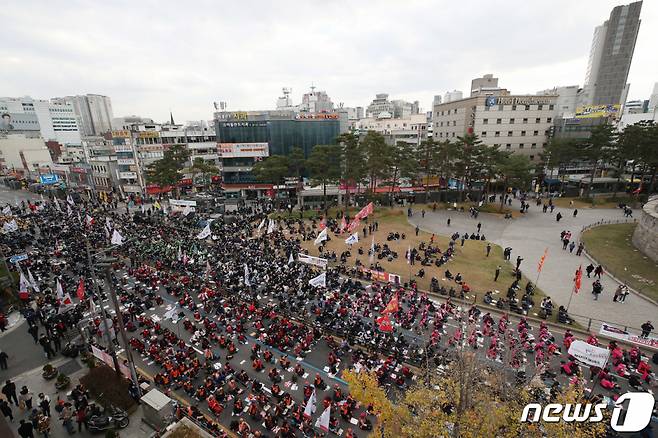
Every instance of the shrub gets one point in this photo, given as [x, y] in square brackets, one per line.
[114, 389]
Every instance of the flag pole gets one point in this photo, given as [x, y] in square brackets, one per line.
[570, 297]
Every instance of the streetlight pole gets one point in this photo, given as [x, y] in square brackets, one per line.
[107, 264]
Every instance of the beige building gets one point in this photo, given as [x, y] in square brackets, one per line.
[520, 124]
[412, 129]
[23, 152]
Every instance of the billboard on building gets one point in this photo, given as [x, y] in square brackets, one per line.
[594, 111]
[243, 150]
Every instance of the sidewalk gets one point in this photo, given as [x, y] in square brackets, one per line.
[36, 384]
[14, 320]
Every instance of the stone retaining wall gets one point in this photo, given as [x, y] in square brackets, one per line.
[645, 237]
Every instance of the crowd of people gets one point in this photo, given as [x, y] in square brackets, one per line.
[249, 340]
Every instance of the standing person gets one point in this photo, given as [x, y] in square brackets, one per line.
[597, 288]
[67, 418]
[81, 418]
[497, 273]
[47, 347]
[575, 213]
[618, 293]
[5, 408]
[26, 430]
[558, 216]
[488, 249]
[9, 390]
[3, 360]
[589, 270]
[572, 246]
[417, 230]
[624, 294]
[647, 327]
[25, 397]
[34, 331]
[44, 404]
[581, 247]
[448, 221]
[598, 271]
[518, 262]
[479, 226]
[422, 213]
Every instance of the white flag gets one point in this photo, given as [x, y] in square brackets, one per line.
[187, 210]
[208, 269]
[7, 210]
[205, 233]
[310, 405]
[270, 226]
[171, 314]
[246, 275]
[65, 301]
[23, 283]
[409, 255]
[117, 239]
[320, 280]
[68, 210]
[354, 238]
[321, 237]
[92, 307]
[262, 224]
[34, 284]
[180, 254]
[291, 259]
[89, 220]
[57, 205]
[69, 200]
[323, 421]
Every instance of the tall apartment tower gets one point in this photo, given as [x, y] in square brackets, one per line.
[93, 111]
[610, 57]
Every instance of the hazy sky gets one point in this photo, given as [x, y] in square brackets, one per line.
[153, 56]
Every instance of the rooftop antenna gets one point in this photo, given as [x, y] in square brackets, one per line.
[312, 88]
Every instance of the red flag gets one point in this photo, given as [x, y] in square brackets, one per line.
[354, 224]
[89, 220]
[81, 289]
[385, 323]
[323, 224]
[578, 279]
[638, 190]
[365, 211]
[542, 260]
[392, 306]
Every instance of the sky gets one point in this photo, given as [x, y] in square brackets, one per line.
[154, 56]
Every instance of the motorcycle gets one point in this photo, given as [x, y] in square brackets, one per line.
[117, 419]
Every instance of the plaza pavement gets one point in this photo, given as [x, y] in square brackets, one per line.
[529, 236]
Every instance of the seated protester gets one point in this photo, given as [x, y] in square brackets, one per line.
[458, 277]
[268, 356]
[270, 422]
[243, 376]
[607, 383]
[257, 365]
[421, 273]
[569, 368]
[338, 393]
[284, 362]
[243, 428]
[399, 380]
[299, 370]
[448, 274]
[488, 299]
[364, 422]
[276, 390]
[254, 411]
[319, 383]
[274, 375]
[214, 405]
[238, 406]
[345, 412]
[634, 382]
[219, 394]
[233, 387]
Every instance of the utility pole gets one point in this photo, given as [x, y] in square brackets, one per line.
[107, 264]
[104, 316]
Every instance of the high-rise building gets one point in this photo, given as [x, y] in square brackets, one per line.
[610, 57]
[54, 119]
[567, 99]
[452, 95]
[93, 111]
[381, 107]
[653, 100]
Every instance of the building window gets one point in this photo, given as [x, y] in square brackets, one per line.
[501, 107]
[484, 134]
[453, 134]
[527, 107]
[533, 146]
[441, 123]
[549, 120]
[509, 133]
[513, 107]
[537, 120]
[499, 121]
[497, 134]
[532, 157]
[522, 133]
[521, 145]
[550, 107]
[525, 120]
[496, 145]
[508, 146]
[511, 121]
[540, 107]
[485, 121]
[535, 133]
[454, 123]
[543, 145]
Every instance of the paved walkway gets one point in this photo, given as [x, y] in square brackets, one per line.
[529, 236]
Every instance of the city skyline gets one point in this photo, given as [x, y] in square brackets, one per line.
[183, 61]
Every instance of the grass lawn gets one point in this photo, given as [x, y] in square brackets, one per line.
[470, 260]
[582, 203]
[611, 245]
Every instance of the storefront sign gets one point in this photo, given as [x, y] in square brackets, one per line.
[518, 100]
[121, 134]
[149, 134]
[319, 116]
[50, 178]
